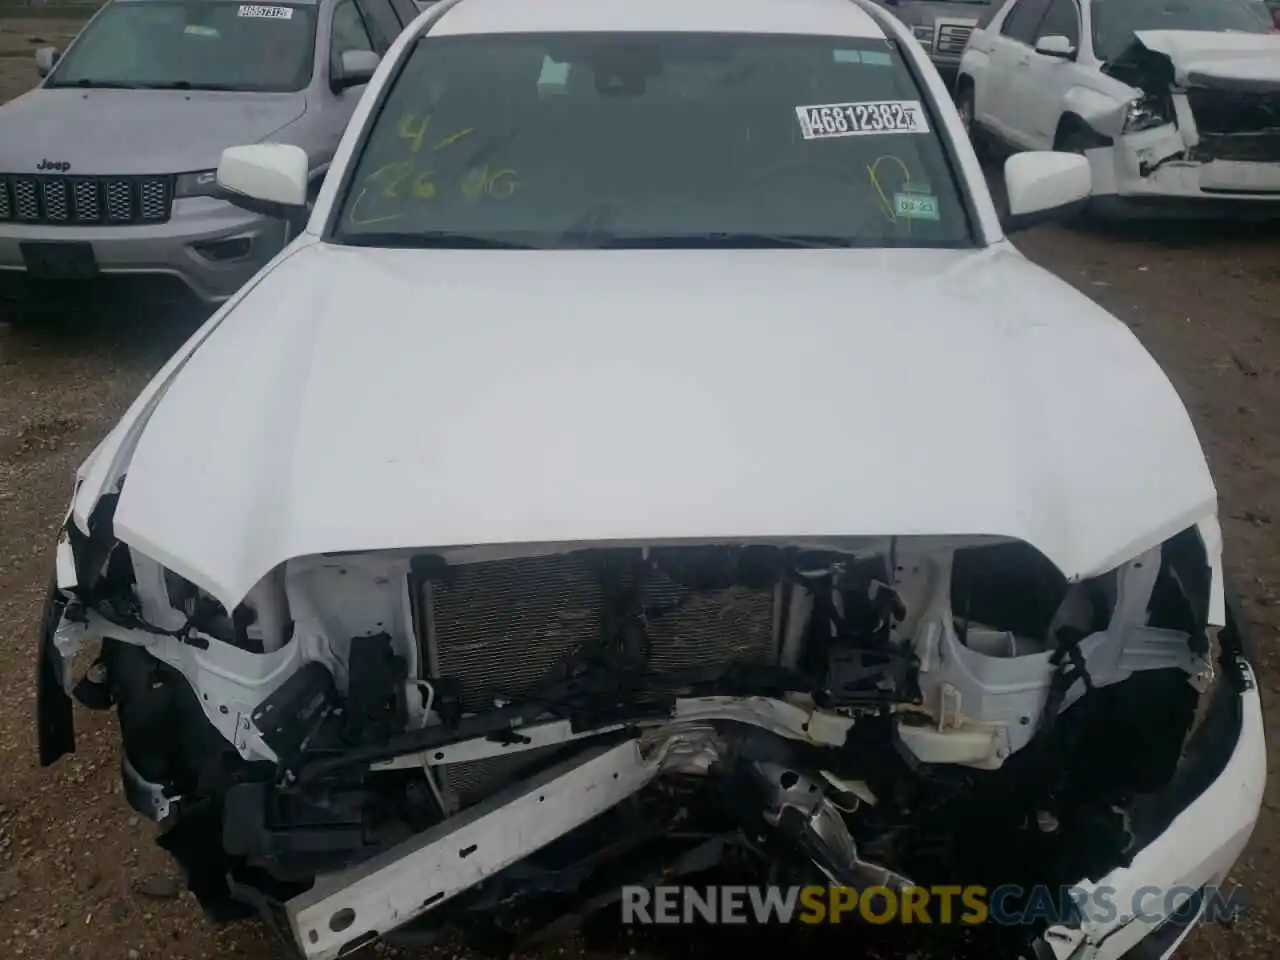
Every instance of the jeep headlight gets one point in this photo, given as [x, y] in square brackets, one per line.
[924, 34]
[200, 184]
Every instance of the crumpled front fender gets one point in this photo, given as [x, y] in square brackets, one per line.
[1101, 112]
[55, 724]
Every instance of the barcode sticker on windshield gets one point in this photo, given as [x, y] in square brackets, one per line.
[862, 119]
[265, 13]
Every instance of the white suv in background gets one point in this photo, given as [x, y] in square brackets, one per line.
[942, 27]
[1176, 103]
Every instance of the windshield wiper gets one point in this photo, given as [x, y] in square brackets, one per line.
[436, 239]
[186, 85]
[145, 85]
[99, 84]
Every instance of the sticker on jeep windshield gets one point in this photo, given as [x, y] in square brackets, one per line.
[862, 119]
[264, 13]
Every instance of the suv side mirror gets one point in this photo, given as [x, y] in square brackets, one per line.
[46, 60]
[269, 179]
[1043, 186]
[1057, 46]
[354, 68]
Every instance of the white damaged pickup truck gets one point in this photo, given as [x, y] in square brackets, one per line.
[556, 522]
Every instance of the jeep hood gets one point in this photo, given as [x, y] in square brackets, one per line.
[361, 399]
[1243, 61]
[136, 131]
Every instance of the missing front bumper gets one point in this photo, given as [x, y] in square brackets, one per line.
[1214, 799]
[344, 911]
[1191, 833]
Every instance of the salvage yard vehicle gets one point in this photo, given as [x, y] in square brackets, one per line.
[942, 27]
[554, 507]
[107, 167]
[1176, 103]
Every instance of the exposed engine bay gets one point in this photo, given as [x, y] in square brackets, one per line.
[494, 741]
[1210, 114]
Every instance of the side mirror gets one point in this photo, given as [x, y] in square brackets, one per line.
[46, 60]
[1043, 186]
[266, 178]
[1057, 46]
[355, 68]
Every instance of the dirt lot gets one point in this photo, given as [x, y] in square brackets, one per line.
[78, 876]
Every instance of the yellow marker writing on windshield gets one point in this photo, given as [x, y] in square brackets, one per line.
[387, 179]
[414, 130]
[355, 219]
[502, 184]
[485, 182]
[391, 176]
[423, 188]
[453, 138]
[402, 179]
[886, 205]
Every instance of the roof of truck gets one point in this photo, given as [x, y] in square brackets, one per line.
[842, 18]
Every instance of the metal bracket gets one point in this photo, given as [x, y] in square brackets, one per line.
[395, 887]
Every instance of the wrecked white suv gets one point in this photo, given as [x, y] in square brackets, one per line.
[1176, 103]
[654, 410]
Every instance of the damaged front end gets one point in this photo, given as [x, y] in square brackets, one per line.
[1203, 126]
[495, 742]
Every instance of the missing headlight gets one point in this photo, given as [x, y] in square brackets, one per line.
[1147, 112]
[209, 616]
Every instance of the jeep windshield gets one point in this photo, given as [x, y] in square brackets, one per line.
[668, 140]
[1116, 21]
[193, 45]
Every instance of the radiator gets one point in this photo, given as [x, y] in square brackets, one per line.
[499, 627]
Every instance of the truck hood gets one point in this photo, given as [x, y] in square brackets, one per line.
[361, 399]
[1239, 61]
[136, 131]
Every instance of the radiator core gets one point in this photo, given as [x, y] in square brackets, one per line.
[498, 627]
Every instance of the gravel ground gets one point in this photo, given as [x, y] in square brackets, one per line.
[78, 875]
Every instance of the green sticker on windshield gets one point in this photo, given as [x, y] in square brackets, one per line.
[874, 58]
[199, 30]
[553, 73]
[915, 206]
